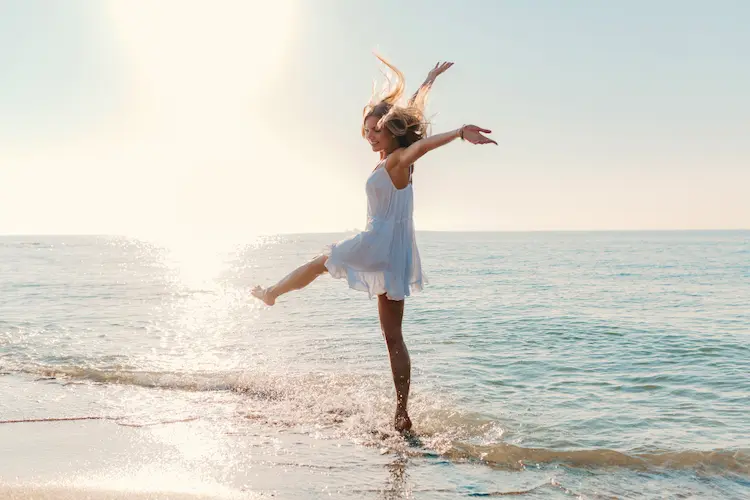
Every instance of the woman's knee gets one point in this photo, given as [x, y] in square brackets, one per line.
[319, 264]
[391, 315]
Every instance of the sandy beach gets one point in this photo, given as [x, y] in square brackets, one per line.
[60, 493]
[113, 458]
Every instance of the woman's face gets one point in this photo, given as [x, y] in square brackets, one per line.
[379, 139]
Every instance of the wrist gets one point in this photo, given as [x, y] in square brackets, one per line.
[460, 133]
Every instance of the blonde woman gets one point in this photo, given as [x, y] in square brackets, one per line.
[383, 260]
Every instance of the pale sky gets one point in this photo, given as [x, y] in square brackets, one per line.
[242, 118]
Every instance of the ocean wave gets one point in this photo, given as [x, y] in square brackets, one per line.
[515, 457]
[357, 407]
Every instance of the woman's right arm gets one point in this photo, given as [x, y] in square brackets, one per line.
[438, 70]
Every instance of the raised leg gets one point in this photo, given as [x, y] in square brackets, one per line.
[296, 280]
[391, 317]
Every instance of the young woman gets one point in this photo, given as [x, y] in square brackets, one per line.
[383, 260]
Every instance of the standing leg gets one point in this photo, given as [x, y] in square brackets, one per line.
[297, 279]
[391, 316]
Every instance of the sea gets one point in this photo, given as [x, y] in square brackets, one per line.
[547, 365]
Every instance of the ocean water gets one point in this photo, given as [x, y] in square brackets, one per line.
[545, 365]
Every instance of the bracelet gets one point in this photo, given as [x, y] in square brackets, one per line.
[461, 132]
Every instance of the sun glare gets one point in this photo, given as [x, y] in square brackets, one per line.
[194, 72]
[191, 58]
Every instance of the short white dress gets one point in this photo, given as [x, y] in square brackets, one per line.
[382, 259]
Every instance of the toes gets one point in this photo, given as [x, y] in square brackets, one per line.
[264, 295]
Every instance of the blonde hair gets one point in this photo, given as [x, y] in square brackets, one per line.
[406, 121]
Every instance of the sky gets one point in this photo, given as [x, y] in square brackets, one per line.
[227, 119]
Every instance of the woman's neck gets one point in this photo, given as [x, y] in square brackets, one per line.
[384, 153]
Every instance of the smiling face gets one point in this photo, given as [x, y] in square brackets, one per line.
[380, 138]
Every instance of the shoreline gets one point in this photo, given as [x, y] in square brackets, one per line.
[59, 492]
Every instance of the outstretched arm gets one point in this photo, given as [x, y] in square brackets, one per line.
[470, 133]
[438, 70]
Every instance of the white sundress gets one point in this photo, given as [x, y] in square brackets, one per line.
[382, 259]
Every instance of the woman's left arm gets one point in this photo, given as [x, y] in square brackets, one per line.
[470, 133]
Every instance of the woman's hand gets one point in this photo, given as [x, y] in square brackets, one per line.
[473, 134]
[438, 70]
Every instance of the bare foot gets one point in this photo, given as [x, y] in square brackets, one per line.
[402, 422]
[264, 294]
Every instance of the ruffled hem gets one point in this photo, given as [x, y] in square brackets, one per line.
[373, 282]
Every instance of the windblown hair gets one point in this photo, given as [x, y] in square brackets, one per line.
[406, 121]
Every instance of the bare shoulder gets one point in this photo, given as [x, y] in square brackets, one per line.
[398, 169]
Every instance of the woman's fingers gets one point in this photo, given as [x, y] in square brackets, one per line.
[440, 67]
[480, 129]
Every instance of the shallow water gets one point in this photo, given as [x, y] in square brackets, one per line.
[548, 364]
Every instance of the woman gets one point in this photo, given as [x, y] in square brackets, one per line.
[383, 260]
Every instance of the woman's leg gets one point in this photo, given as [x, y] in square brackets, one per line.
[391, 316]
[297, 279]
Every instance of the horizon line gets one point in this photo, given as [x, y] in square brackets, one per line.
[355, 230]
